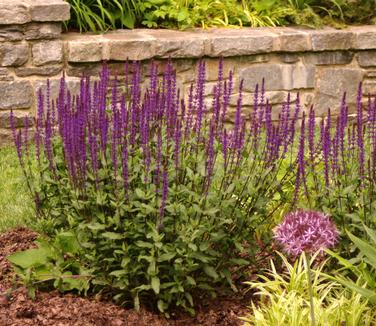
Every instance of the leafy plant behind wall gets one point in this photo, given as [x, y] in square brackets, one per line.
[103, 15]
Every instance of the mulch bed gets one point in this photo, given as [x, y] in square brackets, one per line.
[56, 309]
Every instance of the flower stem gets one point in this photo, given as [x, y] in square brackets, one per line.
[306, 261]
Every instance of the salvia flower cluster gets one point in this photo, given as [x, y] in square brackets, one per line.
[97, 130]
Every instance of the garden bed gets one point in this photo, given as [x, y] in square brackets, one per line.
[55, 309]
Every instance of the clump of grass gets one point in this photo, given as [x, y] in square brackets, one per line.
[16, 206]
[284, 299]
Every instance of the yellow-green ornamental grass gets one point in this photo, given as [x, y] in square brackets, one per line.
[284, 299]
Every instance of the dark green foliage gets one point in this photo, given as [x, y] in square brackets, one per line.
[102, 15]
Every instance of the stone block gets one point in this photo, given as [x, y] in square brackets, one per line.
[19, 119]
[85, 51]
[240, 42]
[302, 76]
[47, 11]
[212, 66]
[94, 69]
[331, 39]
[367, 58]
[291, 40]
[331, 83]
[48, 52]
[329, 58]
[178, 44]
[365, 37]
[129, 45]
[272, 73]
[13, 12]
[369, 87]
[5, 137]
[15, 95]
[289, 57]
[5, 76]
[37, 31]
[13, 54]
[371, 74]
[278, 76]
[88, 69]
[47, 70]
[11, 33]
[73, 84]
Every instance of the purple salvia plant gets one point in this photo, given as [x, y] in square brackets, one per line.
[177, 141]
[135, 102]
[225, 144]
[326, 145]
[311, 135]
[359, 123]
[115, 129]
[159, 158]
[48, 133]
[294, 119]
[17, 138]
[39, 125]
[227, 91]
[301, 175]
[210, 157]
[199, 99]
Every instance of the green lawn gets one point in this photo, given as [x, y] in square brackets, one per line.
[16, 206]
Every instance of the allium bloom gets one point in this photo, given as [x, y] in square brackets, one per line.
[306, 231]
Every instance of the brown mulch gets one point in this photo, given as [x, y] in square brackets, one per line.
[55, 309]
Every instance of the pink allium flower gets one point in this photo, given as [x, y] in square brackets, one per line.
[306, 231]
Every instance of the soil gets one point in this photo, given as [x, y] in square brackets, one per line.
[53, 308]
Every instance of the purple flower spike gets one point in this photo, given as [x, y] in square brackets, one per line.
[306, 231]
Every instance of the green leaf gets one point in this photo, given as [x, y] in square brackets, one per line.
[239, 261]
[192, 246]
[182, 15]
[210, 271]
[189, 298]
[155, 284]
[67, 242]
[140, 194]
[161, 306]
[30, 258]
[166, 257]
[191, 280]
[365, 248]
[366, 293]
[96, 226]
[371, 233]
[118, 273]
[112, 235]
[143, 244]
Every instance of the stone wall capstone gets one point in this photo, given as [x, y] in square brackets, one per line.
[319, 64]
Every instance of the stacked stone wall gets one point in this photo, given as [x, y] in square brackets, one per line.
[31, 49]
[319, 64]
